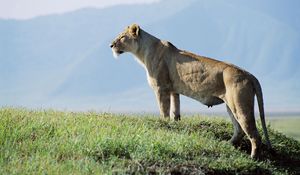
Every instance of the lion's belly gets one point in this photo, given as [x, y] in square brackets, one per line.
[209, 100]
[203, 89]
[205, 97]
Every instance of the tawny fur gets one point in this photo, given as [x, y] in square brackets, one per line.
[171, 71]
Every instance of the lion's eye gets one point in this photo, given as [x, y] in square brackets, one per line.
[123, 38]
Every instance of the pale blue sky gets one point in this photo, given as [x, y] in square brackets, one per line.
[62, 61]
[24, 9]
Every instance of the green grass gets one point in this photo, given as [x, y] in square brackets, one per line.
[287, 125]
[52, 142]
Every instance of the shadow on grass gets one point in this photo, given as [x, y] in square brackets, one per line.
[285, 154]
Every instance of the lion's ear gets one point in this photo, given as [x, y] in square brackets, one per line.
[135, 30]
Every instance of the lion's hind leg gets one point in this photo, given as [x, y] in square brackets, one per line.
[247, 123]
[238, 132]
[240, 99]
[242, 106]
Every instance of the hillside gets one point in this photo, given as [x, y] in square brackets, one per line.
[53, 142]
[63, 61]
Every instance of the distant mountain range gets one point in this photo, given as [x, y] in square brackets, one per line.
[63, 61]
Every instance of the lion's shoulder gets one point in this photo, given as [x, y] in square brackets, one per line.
[168, 44]
[197, 57]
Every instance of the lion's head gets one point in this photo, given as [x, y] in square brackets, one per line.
[127, 41]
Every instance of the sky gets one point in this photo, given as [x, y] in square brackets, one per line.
[26, 9]
[46, 68]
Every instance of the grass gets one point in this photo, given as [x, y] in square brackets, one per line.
[287, 125]
[53, 142]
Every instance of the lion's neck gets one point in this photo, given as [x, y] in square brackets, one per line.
[147, 46]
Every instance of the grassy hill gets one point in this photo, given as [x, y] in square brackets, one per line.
[52, 142]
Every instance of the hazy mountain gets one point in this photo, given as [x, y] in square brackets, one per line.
[64, 60]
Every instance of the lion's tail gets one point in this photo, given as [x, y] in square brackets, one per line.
[259, 96]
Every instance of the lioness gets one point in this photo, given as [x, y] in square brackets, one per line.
[172, 71]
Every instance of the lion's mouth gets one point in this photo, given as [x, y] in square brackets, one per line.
[116, 53]
[120, 52]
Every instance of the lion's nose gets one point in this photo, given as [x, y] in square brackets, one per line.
[111, 45]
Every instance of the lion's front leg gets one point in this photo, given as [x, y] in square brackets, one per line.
[163, 99]
[175, 106]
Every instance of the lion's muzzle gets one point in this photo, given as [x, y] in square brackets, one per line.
[115, 49]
